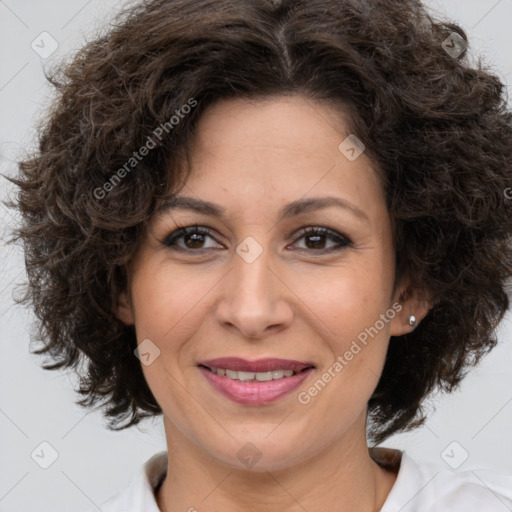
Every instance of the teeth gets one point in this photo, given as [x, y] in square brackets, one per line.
[231, 374]
[259, 376]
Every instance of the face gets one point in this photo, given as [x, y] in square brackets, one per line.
[262, 280]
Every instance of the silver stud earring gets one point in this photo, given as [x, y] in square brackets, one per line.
[412, 321]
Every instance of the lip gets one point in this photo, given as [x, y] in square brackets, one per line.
[260, 365]
[254, 392]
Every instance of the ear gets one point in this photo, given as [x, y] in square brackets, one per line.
[413, 302]
[124, 311]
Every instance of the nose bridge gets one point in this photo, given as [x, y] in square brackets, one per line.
[251, 271]
[253, 297]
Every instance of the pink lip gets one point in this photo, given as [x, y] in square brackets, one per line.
[255, 392]
[261, 365]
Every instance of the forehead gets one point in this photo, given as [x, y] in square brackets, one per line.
[280, 154]
[283, 123]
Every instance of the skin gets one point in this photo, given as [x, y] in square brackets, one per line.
[294, 302]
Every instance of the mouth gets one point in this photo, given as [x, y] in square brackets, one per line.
[255, 382]
[262, 370]
[254, 376]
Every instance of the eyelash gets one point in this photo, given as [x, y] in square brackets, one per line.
[343, 241]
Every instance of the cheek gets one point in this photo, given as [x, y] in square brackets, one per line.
[347, 299]
[356, 339]
[349, 303]
[167, 305]
[167, 300]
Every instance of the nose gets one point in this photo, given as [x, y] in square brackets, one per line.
[255, 299]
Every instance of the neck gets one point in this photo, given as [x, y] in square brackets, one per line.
[343, 477]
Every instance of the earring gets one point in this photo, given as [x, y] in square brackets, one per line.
[412, 321]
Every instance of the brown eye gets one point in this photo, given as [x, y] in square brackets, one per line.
[194, 238]
[316, 239]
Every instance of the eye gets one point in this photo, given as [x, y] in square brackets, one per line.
[316, 238]
[193, 237]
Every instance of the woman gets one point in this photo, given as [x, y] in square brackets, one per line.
[281, 225]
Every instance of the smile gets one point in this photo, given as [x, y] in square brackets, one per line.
[253, 376]
[257, 382]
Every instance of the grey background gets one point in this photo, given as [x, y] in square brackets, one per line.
[38, 406]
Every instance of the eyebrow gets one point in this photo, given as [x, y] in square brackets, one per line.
[289, 210]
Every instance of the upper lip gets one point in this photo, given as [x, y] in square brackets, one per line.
[260, 365]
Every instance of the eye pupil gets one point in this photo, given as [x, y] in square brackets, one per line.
[317, 241]
[197, 240]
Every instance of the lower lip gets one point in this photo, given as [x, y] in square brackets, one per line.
[255, 393]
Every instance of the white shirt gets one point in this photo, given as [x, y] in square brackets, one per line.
[422, 487]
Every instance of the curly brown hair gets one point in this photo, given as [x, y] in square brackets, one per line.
[436, 127]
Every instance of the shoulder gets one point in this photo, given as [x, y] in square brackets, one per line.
[139, 495]
[431, 487]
